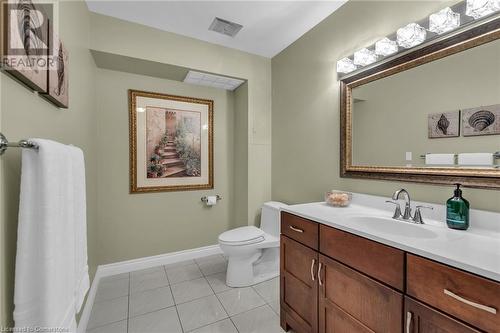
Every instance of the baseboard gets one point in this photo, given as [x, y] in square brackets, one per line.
[137, 264]
[162, 259]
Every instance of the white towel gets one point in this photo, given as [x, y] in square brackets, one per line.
[51, 262]
[440, 159]
[475, 159]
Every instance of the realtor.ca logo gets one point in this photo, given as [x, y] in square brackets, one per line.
[32, 51]
[27, 45]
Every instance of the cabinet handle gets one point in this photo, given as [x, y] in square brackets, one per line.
[471, 303]
[408, 321]
[319, 274]
[312, 269]
[296, 229]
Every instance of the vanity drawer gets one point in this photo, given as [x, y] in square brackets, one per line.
[468, 297]
[300, 229]
[379, 261]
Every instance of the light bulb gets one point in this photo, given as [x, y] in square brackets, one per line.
[443, 21]
[411, 35]
[345, 65]
[364, 57]
[385, 47]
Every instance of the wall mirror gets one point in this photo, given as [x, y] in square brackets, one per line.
[424, 116]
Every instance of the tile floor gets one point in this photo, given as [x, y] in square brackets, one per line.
[189, 296]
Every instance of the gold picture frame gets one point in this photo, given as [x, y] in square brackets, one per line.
[171, 142]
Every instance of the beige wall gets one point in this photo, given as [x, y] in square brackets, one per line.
[26, 115]
[138, 225]
[305, 117]
[132, 226]
[240, 191]
[395, 109]
[133, 40]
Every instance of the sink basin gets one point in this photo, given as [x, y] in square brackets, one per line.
[390, 226]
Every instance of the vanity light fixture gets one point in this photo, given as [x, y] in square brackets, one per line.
[411, 35]
[386, 47]
[364, 57]
[345, 65]
[443, 21]
[480, 8]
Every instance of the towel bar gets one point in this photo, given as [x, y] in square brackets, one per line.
[4, 144]
[496, 155]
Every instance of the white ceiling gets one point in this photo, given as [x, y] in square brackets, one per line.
[268, 26]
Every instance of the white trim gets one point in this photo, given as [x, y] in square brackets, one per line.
[87, 307]
[137, 264]
[158, 260]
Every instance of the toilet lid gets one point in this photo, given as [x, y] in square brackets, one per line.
[243, 235]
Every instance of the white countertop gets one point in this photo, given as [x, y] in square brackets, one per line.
[475, 250]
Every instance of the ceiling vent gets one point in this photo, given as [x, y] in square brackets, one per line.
[225, 27]
[212, 80]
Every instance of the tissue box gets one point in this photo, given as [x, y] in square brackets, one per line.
[338, 198]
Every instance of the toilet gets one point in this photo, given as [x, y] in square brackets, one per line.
[253, 253]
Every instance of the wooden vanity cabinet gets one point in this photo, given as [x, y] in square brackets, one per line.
[298, 286]
[335, 282]
[347, 300]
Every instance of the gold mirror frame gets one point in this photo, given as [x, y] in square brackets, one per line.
[477, 178]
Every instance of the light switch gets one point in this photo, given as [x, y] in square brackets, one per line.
[409, 156]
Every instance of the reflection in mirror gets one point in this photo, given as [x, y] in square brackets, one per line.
[449, 106]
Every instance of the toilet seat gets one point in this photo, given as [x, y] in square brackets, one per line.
[242, 236]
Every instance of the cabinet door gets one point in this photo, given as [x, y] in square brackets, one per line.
[353, 302]
[299, 287]
[420, 318]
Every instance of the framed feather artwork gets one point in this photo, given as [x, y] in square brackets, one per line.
[25, 43]
[58, 74]
[443, 125]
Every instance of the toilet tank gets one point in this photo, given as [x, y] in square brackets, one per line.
[270, 217]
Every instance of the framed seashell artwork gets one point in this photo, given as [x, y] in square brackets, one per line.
[443, 125]
[484, 120]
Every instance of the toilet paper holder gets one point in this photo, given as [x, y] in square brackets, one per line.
[205, 199]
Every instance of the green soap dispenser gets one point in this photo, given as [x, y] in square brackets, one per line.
[457, 211]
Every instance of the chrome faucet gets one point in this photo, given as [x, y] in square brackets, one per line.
[406, 216]
[407, 213]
